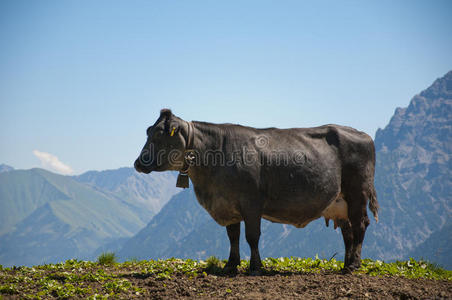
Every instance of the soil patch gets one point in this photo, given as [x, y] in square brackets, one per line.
[295, 286]
[160, 280]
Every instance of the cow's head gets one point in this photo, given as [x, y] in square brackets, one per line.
[165, 144]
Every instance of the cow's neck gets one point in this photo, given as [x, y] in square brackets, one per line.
[206, 137]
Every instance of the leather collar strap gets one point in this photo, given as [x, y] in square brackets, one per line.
[182, 178]
[190, 136]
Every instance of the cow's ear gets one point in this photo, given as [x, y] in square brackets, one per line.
[166, 113]
[173, 128]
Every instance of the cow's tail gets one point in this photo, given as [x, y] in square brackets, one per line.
[373, 202]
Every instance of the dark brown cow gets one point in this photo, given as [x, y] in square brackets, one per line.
[290, 176]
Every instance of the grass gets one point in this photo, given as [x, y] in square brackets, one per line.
[213, 265]
[106, 278]
[107, 258]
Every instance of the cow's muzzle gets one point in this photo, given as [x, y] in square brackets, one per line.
[140, 168]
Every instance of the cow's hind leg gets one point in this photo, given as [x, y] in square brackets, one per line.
[360, 221]
[233, 231]
[353, 233]
[347, 235]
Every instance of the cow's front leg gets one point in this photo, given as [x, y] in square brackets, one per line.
[233, 231]
[253, 232]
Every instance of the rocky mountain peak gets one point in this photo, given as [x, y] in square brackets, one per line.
[414, 171]
[426, 122]
[441, 88]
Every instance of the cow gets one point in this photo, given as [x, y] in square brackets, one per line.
[290, 176]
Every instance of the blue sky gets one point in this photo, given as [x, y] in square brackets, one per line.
[81, 80]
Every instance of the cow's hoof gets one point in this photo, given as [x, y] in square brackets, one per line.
[346, 270]
[255, 273]
[230, 270]
[349, 269]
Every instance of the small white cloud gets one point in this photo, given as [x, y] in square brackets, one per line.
[51, 162]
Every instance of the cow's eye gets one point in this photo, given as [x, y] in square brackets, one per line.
[158, 133]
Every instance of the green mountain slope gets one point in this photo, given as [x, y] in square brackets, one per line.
[21, 192]
[48, 217]
[39, 238]
[145, 195]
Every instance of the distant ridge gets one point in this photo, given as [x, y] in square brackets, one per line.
[5, 168]
[46, 217]
[147, 192]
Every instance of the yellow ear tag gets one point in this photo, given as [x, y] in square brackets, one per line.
[172, 131]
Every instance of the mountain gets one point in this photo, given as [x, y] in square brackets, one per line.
[414, 175]
[414, 187]
[145, 194]
[437, 248]
[180, 216]
[21, 192]
[5, 168]
[46, 217]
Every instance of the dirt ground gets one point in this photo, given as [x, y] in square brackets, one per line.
[295, 286]
[325, 285]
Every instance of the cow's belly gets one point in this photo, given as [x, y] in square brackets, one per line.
[297, 222]
[301, 215]
[222, 210]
